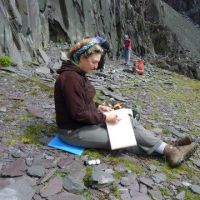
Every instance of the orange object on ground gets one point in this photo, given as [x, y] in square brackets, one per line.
[140, 67]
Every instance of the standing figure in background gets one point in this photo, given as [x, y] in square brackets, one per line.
[127, 50]
[106, 47]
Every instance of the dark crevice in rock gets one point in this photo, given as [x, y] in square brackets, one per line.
[63, 8]
[57, 34]
[80, 10]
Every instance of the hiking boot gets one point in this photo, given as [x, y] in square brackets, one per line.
[177, 155]
[182, 141]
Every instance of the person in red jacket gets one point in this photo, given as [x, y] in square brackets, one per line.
[127, 50]
[82, 122]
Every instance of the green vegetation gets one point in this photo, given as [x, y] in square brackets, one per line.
[165, 192]
[34, 83]
[182, 170]
[93, 154]
[118, 175]
[113, 160]
[187, 171]
[33, 92]
[86, 179]
[31, 134]
[167, 131]
[18, 104]
[189, 195]
[87, 194]
[160, 63]
[98, 94]
[155, 114]
[8, 118]
[43, 86]
[13, 138]
[26, 117]
[61, 173]
[136, 168]
[179, 99]
[178, 93]
[115, 191]
[171, 173]
[5, 61]
[148, 126]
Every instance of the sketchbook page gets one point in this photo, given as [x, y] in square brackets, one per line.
[121, 135]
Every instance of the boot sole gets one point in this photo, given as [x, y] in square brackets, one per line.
[186, 156]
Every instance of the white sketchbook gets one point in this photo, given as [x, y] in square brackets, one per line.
[121, 135]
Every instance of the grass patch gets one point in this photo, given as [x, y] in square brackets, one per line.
[189, 195]
[13, 139]
[87, 194]
[8, 118]
[27, 116]
[93, 154]
[165, 191]
[171, 173]
[33, 92]
[195, 132]
[168, 171]
[183, 98]
[18, 104]
[61, 173]
[167, 131]
[5, 61]
[156, 114]
[96, 98]
[44, 87]
[118, 175]
[148, 126]
[182, 170]
[87, 177]
[114, 161]
[188, 171]
[154, 162]
[115, 191]
[31, 134]
[136, 168]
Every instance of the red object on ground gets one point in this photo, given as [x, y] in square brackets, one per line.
[140, 67]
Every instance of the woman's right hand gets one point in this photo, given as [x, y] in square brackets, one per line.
[112, 118]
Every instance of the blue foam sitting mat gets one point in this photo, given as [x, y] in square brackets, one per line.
[57, 143]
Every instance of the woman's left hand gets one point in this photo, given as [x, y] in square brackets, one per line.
[102, 108]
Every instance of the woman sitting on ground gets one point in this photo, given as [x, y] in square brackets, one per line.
[82, 122]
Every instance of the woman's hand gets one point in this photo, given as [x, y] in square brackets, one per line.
[102, 108]
[112, 118]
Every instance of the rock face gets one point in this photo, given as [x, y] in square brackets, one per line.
[28, 25]
[189, 7]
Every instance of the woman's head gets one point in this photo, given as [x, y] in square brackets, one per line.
[86, 54]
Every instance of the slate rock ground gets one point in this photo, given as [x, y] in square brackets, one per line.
[27, 116]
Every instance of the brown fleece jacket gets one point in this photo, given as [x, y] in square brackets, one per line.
[73, 96]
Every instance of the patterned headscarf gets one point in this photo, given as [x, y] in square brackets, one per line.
[82, 50]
